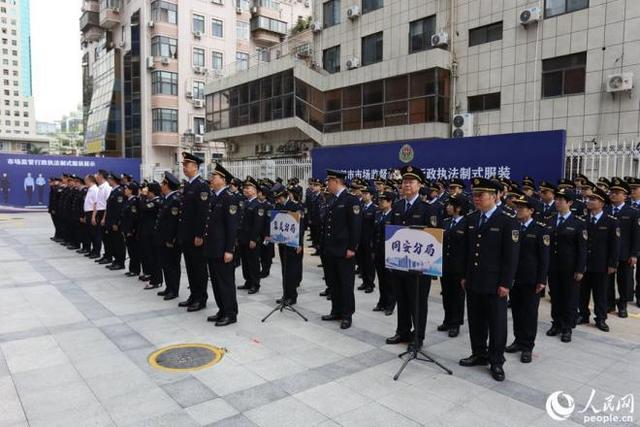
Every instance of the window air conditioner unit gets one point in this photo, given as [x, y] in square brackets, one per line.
[165, 60]
[440, 39]
[254, 9]
[316, 26]
[353, 12]
[353, 63]
[151, 63]
[199, 70]
[189, 94]
[199, 139]
[116, 10]
[238, 10]
[122, 44]
[197, 34]
[619, 82]
[531, 15]
[198, 103]
[307, 3]
[462, 125]
[232, 147]
[151, 24]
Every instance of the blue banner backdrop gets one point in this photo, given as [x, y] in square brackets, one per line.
[537, 154]
[24, 178]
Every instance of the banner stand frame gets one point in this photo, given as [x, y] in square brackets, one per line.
[284, 303]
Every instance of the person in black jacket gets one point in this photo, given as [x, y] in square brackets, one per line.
[567, 264]
[341, 236]
[114, 241]
[129, 226]
[219, 246]
[629, 223]
[191, 229]
[387, 300]
[365, 252]
[412, 210]
[603, 247]
[250, 230]
[454, 264]
[266, 249]
[492, 258]
[148, 217]
[165, 236]
[547, 194]
[531, 278]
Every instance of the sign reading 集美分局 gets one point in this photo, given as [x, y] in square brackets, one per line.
[285, 228]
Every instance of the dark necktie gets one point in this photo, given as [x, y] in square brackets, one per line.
[615, 211]
[560, 221]
[593, 220]
[483, 220]
[523, 228]
[407, 206]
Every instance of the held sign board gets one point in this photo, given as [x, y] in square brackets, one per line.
[537, 154]
[285, 228]
[413, 249]
[24, 178]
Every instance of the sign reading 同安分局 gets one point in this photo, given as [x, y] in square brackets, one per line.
[413, 249]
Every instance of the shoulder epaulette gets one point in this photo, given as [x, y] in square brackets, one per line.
[579, 218]
[542, 224]
[612, 217]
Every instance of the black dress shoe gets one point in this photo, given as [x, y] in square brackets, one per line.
[152, 286]
[525, 357]
[253, 290]
[345, 324]
[197, 306]
[377, 308]
[388, 312]
[362, 287]
[513, 348]
[116, 267]
[497, 372]
[291, 301]
[244, 287]
[215, 317]
[163, 293]
[186, 303]
[368, 290]
[583, 320]
[397, 339]
[474, 360]
[88, 255]
[329, 317]
[170, 296]
[324, 293]
[145, 278]
[82, 251]
[104, 261]
[611, 309]
[93, 256]
[602, 325]
[553, 331]
[453, 332]
[442, 327]
[279, 300]
[99, 260]
[130, 274]
[638, 303]
[224, 321]
[623, 313]
[566, 337]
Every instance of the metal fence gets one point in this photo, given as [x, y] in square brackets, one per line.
[603, 158]
[271, 168]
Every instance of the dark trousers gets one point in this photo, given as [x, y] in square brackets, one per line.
[95, 231]
[196, 265]
[487, 314]
[54, 220]
[524, 308]
[452, 299]
[134, 254]
[387, 298]
[118, 247]
[327, 276]
[83, 234]
[595, 283]
[623, 277]
[367, 267]
[250, 265]
[223, 282]
[564, 292]
[107, 241]
[267, 253]
[40, 193]
[404, 285]
[170, 264]
[291, 264]
[151, 257]
[29, 191]
[637, 283]
[340, 272]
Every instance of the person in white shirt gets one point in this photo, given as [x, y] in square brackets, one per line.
[90, 215]
[29, 186]
[101, 205]
[40, 184]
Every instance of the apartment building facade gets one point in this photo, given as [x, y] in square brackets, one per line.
[389, 70]
[145, 65]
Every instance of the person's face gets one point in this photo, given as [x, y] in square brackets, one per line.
[546, 196]
[281, 200]
[586, 191]
[528, 192]
[617, 196]
[453, 190]
[410, 187]
[367, 197]
[594, 204]
[189, 169]
[384, 204]
[99, 178]
[333, 185]
[635, 193]
[87, 182]
[450, 210]
[165, 188]
[524, 213]
[249, 191]
[216, 181]
[562, 205]
[127, 192]
[484, 200]
[28, 174]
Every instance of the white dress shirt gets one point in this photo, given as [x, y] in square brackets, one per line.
[103, 194]
[91, 199]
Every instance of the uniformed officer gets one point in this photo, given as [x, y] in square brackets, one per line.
[603, 246]
[115, 204]
[250, 230]
[603, 184]
[530, 280]
[342, 227]
[454, 264]
[387, 300]
[220, 243]
[148, 217]
[456, 188]
[634, 202]
[191, 229]
[266, 249]
[129, 226]
[629, 223]
[314, 221]
[408, 212]
[567, 264]
[578, 207]
[365, 249]
[165, 236]
[492, 258]
[547, 197]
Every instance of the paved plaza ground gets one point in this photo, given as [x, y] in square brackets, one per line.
[75, 338]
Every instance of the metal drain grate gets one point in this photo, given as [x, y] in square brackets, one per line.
[186, 357]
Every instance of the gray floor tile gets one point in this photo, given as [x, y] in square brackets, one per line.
[189, 392]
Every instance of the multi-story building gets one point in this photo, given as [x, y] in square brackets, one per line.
[145, 65]
[389, 70]
[17, 118]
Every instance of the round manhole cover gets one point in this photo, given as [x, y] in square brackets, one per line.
[186, 357]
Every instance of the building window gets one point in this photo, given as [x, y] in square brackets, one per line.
[242, 61]
[264, 23]
[164, 82]
[331, 13]
[198, 90]
[485, 34]
[371, 5]
[165, 120]
[564, 75]
[198, 24]
[164, 46]
[198, 125]
[216, 28]
[163, 11]
[216, 60]
[220, 2]
[198, 57]
[331, 59]
[372, 49]
[558, 7]
[242, 30]
[420, 33]
[485, 102]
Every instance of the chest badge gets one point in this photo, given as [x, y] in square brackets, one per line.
[515, 235]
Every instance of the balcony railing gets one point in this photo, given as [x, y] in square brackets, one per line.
[89, 19]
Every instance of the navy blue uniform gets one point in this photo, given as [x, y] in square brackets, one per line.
[148, 216]
[250, 230]
[165, 240]
[266, 249]
[365, 252]
[129, 226]
[453, 269]
[113, 239]
[387, 300]
[629, 223]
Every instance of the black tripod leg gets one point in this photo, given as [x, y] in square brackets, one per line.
[279, 307]
[298, 313]
[432, 360]
[404, 365]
